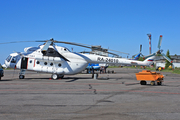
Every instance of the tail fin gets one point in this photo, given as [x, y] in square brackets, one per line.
[137, 56]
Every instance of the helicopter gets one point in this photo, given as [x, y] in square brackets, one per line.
[136, 56]
[60, 61]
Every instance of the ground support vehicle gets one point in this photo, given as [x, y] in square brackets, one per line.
[146, 75]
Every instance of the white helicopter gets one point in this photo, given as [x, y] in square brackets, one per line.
[59, 61]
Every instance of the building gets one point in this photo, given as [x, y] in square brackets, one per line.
[160, 61]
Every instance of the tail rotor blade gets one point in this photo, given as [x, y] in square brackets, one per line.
[160, 40]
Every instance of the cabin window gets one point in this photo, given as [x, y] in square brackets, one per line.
[37, 62]
[51, 64]
[30, 61]
[45, 63]
[59, 64]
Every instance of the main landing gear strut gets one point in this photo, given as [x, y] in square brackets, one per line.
[22, 74]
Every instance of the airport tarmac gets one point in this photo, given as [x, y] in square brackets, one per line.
[116, 96]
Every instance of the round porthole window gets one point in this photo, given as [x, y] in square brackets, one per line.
[30, 61]
[51, 64]
[59, 64]
[45, 63]
[37, 62]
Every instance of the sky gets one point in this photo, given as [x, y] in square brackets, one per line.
[120, 25]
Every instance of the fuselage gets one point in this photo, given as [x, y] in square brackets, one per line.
[60, 60]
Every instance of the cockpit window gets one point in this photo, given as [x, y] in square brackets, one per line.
[9, 58]
[13, 60]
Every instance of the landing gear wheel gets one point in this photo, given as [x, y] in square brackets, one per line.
[54, 76]
[152, 82]
[143, 82]
[21, 76]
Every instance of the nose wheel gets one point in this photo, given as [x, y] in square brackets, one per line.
[21, 76]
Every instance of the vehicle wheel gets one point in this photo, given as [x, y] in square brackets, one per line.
[0, 78]
[54, 76]
[143, 82]
[152, 83]
[159, 83]
[21, 76]
[157, 68]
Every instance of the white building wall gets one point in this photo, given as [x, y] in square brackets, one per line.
[159, 64]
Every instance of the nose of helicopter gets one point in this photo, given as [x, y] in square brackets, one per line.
[10, 62]
[4, 66]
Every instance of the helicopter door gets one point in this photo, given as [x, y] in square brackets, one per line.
[31, 64]
[24, 62]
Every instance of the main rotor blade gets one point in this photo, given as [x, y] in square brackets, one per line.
[119, 52]
[88, 46]
[160, 40]
[111, 53]
[48, 42]
[71, 43]
[24, 41]
[149, 55]
[142, 54]
[140, 48]
[16, 42]
[167, 58]
[46, 46]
